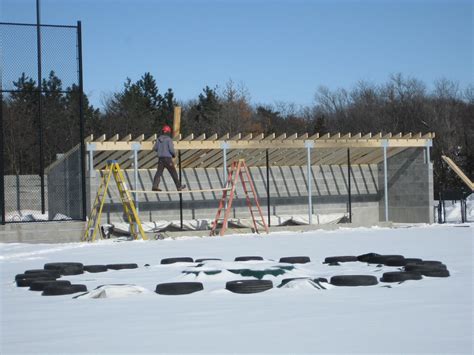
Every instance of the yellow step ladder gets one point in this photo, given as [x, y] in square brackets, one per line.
[93, 224]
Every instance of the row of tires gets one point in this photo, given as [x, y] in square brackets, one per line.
[256, 286]
[53, 287]
[73, 268]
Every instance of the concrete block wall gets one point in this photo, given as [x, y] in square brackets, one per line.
[288, 193]
[410, 187]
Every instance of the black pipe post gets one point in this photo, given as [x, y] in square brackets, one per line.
[268, 186]
[2, 163]
[180, 195]
[349, 183]
[82, 121]
[40, 114]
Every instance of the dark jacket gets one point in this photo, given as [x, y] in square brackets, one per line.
[164, 147]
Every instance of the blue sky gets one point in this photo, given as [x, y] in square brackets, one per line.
[282, 50]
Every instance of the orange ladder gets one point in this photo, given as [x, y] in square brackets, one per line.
[238, 170]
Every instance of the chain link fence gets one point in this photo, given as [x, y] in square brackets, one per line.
[42, 123]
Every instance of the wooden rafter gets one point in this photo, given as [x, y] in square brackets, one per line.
[205, 151]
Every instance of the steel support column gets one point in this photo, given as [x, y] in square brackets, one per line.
[180, 195]
[309, 145]
[135, 148]
[224, 147]
[268, 185]
[349, 184]
[90, 148]
[385, 177]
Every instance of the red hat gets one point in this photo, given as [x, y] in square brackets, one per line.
[166, 129]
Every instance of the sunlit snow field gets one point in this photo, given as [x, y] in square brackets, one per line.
[432, 315]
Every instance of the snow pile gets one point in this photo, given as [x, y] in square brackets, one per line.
[114, 291]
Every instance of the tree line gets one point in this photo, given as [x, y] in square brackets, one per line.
[401, 104]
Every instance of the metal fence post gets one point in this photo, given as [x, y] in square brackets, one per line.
[40, 109]
[82, 121]
[2, 163]
[309, 145]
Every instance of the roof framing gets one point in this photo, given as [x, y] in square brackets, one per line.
[206, 151]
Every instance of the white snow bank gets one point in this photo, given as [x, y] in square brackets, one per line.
[432, 315]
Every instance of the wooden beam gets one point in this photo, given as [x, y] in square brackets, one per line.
[177, 121]
[459, 172]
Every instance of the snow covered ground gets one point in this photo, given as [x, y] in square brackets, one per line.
[453, 210]
[433, 315]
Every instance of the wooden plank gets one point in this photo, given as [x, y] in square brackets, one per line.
[275, 144]
[176, 191]
[459, 172]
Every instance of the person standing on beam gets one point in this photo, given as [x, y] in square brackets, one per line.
[165, 150]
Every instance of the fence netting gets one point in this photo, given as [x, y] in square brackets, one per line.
[41, 168]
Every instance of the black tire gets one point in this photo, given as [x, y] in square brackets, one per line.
[365, 257]
[176, 260]
[28, 282]
[354, 280]
[71, 270]
[295, 259]
[53, 273]
[340, 259]
[59, 266]
[207, 259]
[79, 288]
[95, 268]
[249, 286]
[66, 268]
[413, 260]
[399, 276]
[121, 266]
[424, 267]
[58, 290]
[248, 258]
[430, 262]
[395, 262]
[36, 275]
[436, 273]
[178, 288]
[381, 259]
[40, 285]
